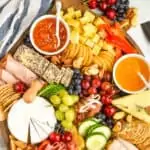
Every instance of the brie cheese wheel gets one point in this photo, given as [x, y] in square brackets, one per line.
[37, 117]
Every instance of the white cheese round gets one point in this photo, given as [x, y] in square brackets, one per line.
[38, 117]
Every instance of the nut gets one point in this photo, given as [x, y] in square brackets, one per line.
[119, 115]
[77, 63]
[92, 70]
[117, 127]
[129, 118]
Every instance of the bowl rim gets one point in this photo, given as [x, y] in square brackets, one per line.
[40, 50]
[115, 67]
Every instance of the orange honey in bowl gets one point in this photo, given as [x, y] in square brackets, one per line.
[126, 73]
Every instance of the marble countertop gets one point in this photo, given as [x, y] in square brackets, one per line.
[137, 33]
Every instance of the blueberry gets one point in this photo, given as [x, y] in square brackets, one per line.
[114, 7]
[103, 122]
[77, 81]
[81, 77]
[120, 18]
[126, 2]
[101, 116]
[109, 122]
[76, 92]
[121, 11]
[70, 91]
[76, 71]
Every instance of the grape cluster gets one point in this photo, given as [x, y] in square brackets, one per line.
[64, 111]
[75, 85]
[105, 120]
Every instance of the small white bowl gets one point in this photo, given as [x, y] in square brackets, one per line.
[42, 51]
[116, 65]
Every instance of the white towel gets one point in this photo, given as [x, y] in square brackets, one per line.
[15, 17]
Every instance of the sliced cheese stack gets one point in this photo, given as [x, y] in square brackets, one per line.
[137, 105]
[37, 117]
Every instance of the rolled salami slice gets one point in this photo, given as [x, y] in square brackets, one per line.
[19, 70]
[7, 77]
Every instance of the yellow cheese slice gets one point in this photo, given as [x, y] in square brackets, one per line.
[135, 105]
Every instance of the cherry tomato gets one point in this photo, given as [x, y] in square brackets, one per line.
[96, 83]
[20, 87]
[66, 137]
[43, 145]
[105, 86]
[106, 100]
[92, 4]
[109, 111]
[92, 90]
[54, 137]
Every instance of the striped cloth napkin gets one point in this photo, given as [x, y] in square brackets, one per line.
[15, 17]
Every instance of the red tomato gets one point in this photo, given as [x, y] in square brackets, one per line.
[109, 111]
[54, 137]
[66, 137]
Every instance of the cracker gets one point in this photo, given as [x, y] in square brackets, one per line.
[11, 99]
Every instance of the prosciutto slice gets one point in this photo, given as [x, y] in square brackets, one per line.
[19, 70]
[7, 77]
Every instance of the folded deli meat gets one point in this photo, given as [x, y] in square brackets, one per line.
[42, 67]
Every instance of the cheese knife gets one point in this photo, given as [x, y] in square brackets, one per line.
[146, 29]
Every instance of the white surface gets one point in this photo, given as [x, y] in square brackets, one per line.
[19, 120]
[137, 33]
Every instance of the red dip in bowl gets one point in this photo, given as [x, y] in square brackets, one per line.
[44, 35]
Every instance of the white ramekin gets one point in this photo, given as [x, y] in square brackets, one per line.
[42, 51]
[116, 65]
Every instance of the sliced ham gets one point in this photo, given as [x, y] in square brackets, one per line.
[120, 144]
[2, 82]
[7, 77]
[19, 71]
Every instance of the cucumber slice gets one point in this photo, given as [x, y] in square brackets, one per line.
[85, 125]
[96, 141]
[102, 129]
[90, 129]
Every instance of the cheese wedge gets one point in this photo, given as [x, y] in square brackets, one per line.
[135, 105]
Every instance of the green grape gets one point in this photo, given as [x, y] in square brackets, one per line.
[67, 100]
[70, 115]
[63, 107]
[67, 124]
[62, 93]
[75, 98]
[59, 115]
[55, 100]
